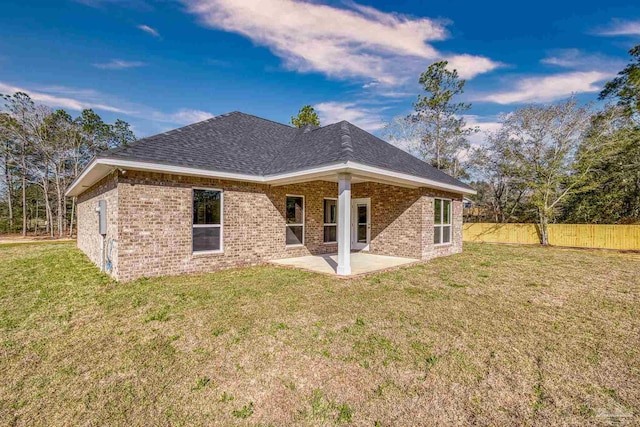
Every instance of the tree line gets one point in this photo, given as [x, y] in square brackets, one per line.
[41, 152]
[560, 162]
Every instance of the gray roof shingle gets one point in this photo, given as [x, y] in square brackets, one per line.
[233, 142]
[242, 143]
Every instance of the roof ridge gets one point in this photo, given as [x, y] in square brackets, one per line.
[283, 149]
[346, 142]
[262, 118]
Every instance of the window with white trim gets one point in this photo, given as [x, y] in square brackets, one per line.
[330, 220]
[295, 220]
[441, 221]
[207, 220]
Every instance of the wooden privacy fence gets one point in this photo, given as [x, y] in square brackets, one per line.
[597, 236]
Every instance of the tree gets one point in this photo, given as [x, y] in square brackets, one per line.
[121, 134]
[611, 192]
[21, 123]
[94, 136]
[42, 151]
[57, 151]
[7, 151]
[540, 146]
[437, 122]
[404, 134]
[500, 192]
[626, 87]
[306, 116]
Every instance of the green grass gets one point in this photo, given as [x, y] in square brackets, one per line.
[498, 335]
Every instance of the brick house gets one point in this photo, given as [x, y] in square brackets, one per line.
[239, 190]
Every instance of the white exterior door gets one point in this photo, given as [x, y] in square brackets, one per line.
[360, 224]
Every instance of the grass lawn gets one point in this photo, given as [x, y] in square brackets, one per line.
[498, 335]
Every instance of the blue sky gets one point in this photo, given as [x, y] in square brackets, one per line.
[163, 64]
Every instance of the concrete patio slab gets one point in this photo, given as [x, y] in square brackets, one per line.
[361, 263]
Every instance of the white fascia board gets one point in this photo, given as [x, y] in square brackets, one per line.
[423, 182]
[179, 170]
[78, 186]
[306, 174]
[100, 167]
[363, 170]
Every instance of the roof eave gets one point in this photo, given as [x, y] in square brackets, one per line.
[100, 167]
[364, 171]
[404, 177]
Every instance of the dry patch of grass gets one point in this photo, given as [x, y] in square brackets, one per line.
[498, 335]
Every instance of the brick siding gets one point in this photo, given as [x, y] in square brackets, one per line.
[153, 230]
[89, 240]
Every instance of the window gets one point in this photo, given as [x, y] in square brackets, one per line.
[207, 220]
[441, 221]
[330, 220]
[295, 220]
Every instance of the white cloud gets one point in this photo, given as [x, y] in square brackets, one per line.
[183, 116]
[53, 99]
[486, 125]
[622, 28]
[119, 64]
[469, 66]
[333, 112]
[67, 91]
[578, 59]
[549, 88]
[567, 58]
[397, 94]
[79, 99]
[147, 29]
[355, 41]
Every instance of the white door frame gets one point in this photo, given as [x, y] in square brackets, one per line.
[354, 224]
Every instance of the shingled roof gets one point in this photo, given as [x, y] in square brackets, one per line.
[232, 142]
[244, 144]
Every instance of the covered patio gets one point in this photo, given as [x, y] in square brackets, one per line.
[376, 222]
[360, 262]
[352, 222]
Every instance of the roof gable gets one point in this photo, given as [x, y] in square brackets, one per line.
[371, 150]
[317, 147]
[342, 142]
